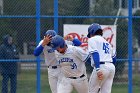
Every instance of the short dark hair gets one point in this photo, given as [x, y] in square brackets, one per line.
[99, 32]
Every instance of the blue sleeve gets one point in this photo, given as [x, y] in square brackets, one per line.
[96, 59]
[114, 60]
[76, 42]
[38, 50]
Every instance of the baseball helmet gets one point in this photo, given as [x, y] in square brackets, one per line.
[57, 42]
[93, 28]
[50, 32]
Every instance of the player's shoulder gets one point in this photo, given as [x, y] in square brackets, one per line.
[97, 37]
[68, 42]
[94, 38]
[76, 49]
[73, 48]
[57, 54]
[70, 47]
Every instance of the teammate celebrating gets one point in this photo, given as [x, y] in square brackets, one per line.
[50, 59]
[102, 59]
[72, 62]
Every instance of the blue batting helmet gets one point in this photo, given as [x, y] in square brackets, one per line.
[93, 28]
[57, 42]
[50, 32]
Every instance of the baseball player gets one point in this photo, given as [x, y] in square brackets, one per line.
[72, 62]
[102, 58]
[50, 59]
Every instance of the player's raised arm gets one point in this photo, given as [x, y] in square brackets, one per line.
[38, 50]
[74, 41]
[46, 41]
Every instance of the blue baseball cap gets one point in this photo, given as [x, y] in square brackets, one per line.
[51, 32]
[93, 28]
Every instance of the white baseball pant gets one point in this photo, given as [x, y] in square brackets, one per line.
[66, 85]
[105, 85]
[53, 77]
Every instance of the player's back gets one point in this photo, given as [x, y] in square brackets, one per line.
[99, 44]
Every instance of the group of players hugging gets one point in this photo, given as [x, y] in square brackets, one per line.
[66, 61]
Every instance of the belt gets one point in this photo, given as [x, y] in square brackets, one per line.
[105, 62]
[77, 77]
[53, 67]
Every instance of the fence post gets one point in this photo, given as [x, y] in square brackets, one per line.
[130, 46]
[56, 15]
[38, 39]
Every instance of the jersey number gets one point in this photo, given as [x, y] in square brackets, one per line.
[106, 48]
[73, 66]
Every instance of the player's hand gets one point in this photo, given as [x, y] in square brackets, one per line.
[100, 75]
[68, 37]
[46, 40]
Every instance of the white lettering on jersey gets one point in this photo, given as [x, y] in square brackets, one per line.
[65, 60]
[72, 62]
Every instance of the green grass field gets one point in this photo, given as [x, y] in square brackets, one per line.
[27, 84]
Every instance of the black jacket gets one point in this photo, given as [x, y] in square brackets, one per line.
[8, 52]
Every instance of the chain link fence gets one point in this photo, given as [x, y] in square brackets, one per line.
[19, 18]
